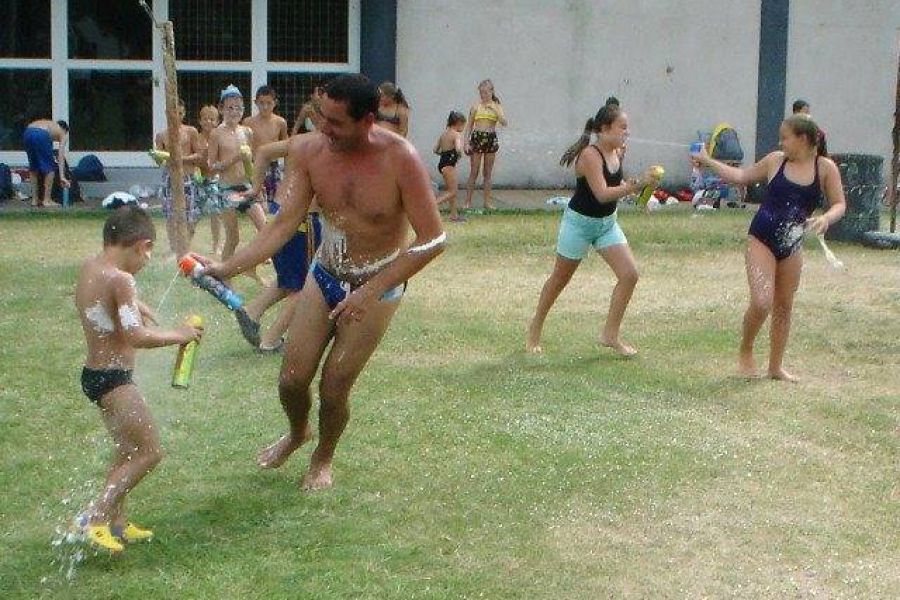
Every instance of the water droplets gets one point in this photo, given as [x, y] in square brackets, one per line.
[68, 540]
[165, 295]
[792, 233]
[833, 260]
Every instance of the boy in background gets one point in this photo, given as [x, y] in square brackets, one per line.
[209, 120]
[191, 153]
[225, 160]
[267, 127]
[291, 263]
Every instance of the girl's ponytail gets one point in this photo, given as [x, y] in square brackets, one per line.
[575, 149]
[607, 114]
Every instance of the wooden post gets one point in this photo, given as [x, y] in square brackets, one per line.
[173, 134]
[173, 122]
[895, 159]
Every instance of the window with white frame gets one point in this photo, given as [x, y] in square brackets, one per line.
[219, 30]
[307, 31]
[98, 29]
[98, 64]
[26, 29]
[26, 77]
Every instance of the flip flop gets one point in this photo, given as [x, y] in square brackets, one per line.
[276, 349]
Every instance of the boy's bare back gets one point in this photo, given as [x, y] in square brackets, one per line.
[98, 291]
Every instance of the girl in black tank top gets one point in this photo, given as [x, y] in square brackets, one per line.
[589, 222]
[584, 202]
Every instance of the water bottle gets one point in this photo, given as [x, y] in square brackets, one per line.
[247, 158]
[696, 179]
[160, 157]
[657, 171]
[66, 198]
[191, 268]
[697, 182]
[184, 360]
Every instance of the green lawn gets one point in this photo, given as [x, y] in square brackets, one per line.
[469, 469]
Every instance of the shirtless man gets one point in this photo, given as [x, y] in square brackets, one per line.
[38, 138]
[267, 127]
[191, 154]
[369, 183]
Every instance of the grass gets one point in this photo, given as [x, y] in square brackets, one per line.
[469, 469]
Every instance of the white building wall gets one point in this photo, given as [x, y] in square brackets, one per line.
[842, 59]
[676, 65]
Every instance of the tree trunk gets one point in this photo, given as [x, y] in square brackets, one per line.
[173, 122]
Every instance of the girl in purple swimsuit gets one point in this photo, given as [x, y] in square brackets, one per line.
[796, 177]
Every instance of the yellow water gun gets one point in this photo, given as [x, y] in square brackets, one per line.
[657, 172]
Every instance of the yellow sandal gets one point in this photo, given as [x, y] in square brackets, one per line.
[133, 533]
[101, 536]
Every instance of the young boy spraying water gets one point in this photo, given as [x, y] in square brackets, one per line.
[115, 326]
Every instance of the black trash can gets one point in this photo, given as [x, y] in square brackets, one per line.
[862, 179]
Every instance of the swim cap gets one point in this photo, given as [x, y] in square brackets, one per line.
[230, 92]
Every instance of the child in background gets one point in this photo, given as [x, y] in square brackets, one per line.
[209, 120]
[291, 263]
[189, 138]
[450, 147]
[308, 118]
[393, 109]
[481, 140]
[115, 325]
[267, 127]
[225, 160]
